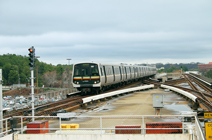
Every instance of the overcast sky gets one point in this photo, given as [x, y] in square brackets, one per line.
[108, 31]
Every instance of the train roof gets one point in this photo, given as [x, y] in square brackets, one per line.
[113, 64]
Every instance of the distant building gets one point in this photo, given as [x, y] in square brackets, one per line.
[205, 66]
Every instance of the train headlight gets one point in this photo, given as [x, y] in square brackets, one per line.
[77, 82]
[94, 82]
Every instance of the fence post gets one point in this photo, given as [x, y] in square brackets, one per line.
[183, 124]
[6, 126]
[60, 124]
[143, 123]
[21, 125]
[101, 124]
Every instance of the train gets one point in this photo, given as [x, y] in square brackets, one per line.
[94, 78]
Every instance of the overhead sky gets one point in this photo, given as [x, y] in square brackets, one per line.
[108, 31]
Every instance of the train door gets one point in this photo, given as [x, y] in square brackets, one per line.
[142, 71]
[135, 73]
[114, 75]
[123, 73]
[105, 74]
[120, 73]
[102, 75]
[130, 72]
[126, 72]
[140, 74]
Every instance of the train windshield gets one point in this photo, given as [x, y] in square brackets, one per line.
[86, 70]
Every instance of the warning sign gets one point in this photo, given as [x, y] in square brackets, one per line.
[207, 115]
[208, 130]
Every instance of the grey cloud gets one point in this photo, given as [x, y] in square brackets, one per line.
[127, 31]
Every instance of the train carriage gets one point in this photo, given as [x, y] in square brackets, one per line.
[95, 77]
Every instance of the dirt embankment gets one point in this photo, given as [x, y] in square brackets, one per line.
[20, 92]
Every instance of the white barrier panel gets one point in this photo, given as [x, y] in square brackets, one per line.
[113, 93]
[103, 137]
[185, 93]
[201, 80]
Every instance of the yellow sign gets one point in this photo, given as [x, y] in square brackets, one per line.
[208, 130]
[207, 115]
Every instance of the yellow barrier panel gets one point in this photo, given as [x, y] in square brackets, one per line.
[70, 126]
[208, 130]
[65, 126]
[207, 115]
[74, 126]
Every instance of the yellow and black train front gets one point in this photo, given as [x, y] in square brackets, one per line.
[86, 77]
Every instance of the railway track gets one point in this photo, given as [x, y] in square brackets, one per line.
[50, 107]
[203, 94]
[68, 104]
[201, 84]
[204, 98]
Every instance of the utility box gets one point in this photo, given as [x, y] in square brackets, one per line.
[128, 129]
[39, 126]
[168, 125]
[158, 100]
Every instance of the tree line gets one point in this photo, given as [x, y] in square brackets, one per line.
[15, 69]
[190, 66]
[173, 69]
[168, 68]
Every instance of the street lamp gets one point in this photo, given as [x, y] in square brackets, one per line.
[18, 79]
[28, 81]
[68, 72]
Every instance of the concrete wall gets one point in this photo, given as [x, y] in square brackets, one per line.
[8, 137]
[103, 137]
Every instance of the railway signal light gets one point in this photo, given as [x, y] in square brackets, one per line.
[31, 57]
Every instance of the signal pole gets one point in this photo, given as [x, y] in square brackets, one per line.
[31, 64]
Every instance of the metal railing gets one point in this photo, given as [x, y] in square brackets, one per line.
[165, 124]
[5, 129]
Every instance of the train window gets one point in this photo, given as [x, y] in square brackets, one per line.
[94, 70]
[76, 71]
[85, 72]
[108, 71]
[117, 70]
[86, 69]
